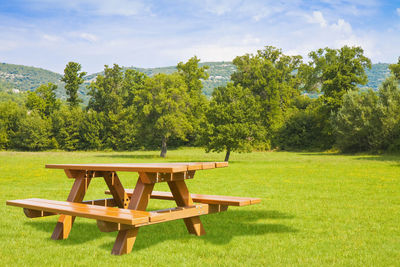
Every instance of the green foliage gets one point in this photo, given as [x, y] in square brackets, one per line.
[233, 120]
[335, 71]
[368, 121]
[73, 78]
[356, 122]
[395, 69]
[163, 107]
[26, 78]
[192, 74]
[43, 100]
[272, 77]
[11, 115]
[303, 127]
[92, 131]
[33, 133]
[65, 127]
[106, 91]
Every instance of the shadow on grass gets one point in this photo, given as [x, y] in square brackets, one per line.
[220, 228]
[81, 232]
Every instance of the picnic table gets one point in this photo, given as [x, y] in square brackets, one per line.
[126, 211]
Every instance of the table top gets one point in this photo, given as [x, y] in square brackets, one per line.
[142, 167]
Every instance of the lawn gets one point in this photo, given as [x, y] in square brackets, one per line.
[317, 209]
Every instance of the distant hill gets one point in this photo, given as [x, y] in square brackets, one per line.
[219, 74]
[15, 78]
[23, 78]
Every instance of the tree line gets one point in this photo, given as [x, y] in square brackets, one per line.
[265, 106]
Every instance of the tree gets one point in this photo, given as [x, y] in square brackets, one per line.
[335, 72]
[395, 69]
[272, 78]
[43, 100]
[11, 115]
[233, 120]
[65, 127]
[73, 78]
[106, 91]
[354, 127]
[192, 74]
[369, 121]
[33, 133]
[162, 107]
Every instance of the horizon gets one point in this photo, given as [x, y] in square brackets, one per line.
[91, 73]
[156, 34]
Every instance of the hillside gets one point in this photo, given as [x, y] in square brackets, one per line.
[16, 78]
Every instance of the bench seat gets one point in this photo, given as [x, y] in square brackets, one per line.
[110, 214]
[206, 199]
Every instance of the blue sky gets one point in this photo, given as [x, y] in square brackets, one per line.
[48, 34]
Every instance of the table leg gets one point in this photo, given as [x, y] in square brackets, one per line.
[77, 193]
[116, 189]
[182, 198]
[139, 200]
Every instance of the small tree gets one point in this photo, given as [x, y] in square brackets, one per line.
[163, 109]
[73, 78]
[43, 100]
[233, 120]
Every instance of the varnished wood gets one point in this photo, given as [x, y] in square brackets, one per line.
[139, 200]
[166, 215]
[77, 193]
[182, 198]
[37, 213]
[125, 216]
[207, 199]
[116, 189]
[141, 167]
[158, 177]
[124, 241]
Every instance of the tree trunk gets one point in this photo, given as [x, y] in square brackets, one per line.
[228, 153]
[163, 147]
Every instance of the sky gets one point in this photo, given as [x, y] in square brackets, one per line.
[50, 33]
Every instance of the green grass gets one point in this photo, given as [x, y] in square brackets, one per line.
[317, 209]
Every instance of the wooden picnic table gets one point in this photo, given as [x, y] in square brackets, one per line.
[126, 211]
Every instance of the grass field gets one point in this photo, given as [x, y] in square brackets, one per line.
[317, 209]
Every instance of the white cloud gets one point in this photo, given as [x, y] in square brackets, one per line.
[341, 26]
[318, 18]
[398, 11]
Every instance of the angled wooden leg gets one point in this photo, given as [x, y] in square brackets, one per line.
[64, 224]
[139, 200]
[116, 189]
[182, 198]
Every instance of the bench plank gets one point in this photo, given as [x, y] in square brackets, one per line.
[206, 199]
[110, 214]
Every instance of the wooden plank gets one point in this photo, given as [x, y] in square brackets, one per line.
[206, 199]
[141, 167]
[105, 202]
[158, 177]
[117, 215]
[182, 198]
[160, 216]
[77, 193]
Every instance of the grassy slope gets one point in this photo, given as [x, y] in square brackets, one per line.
[317, 209]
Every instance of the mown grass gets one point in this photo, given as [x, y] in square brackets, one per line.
[317, 209]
